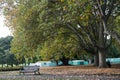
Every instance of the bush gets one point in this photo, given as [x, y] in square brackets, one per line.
[10, 68]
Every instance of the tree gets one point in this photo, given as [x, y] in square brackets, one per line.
[62, 47]
[91, 24]
[1, 56]
[10, 59]
[6, 57]
[95, 22]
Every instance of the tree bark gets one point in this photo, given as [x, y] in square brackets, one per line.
[2, 65]
[64, 60]
[102, 58]
[101, 49]
[96, 60]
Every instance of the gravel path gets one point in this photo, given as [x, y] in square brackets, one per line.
[59, 77]
[65, 73]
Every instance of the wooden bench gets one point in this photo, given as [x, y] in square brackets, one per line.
[30, 69]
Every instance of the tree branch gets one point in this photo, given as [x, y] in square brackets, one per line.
[111, 8]
[81, 39]
[88, 34]
[116, 36]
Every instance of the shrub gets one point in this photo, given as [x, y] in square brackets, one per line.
[10, 68]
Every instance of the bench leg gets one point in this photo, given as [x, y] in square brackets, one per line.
[38, 72]
[19, 73]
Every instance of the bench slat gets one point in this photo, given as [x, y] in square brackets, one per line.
[30, 69]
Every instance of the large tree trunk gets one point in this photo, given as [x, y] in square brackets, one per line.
[101, 49]
[102, 59]
[96, 60]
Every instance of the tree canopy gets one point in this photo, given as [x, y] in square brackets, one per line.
[6, 57]
[53, 27]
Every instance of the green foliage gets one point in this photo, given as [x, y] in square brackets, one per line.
[114, 50]
[60, 46]
[10, 68]
[117, 23]
[6, 57]
[59, 28]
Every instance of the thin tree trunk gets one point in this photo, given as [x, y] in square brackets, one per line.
[64, 60]
[7, 65]
[102, 59]
[2, 65]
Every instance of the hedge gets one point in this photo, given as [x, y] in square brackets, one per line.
[10, 68]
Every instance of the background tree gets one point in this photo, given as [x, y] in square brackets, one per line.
[6, 57]
[62, 47]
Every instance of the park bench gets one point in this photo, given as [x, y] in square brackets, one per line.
[30, 69]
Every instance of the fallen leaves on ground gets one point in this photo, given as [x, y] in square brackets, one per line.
[67, 73]
[79, 70]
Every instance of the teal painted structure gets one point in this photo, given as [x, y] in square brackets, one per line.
[78, 62]
[71, 62]
[113, 60]
[52, 63]
[44, 64]
[86, 62]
